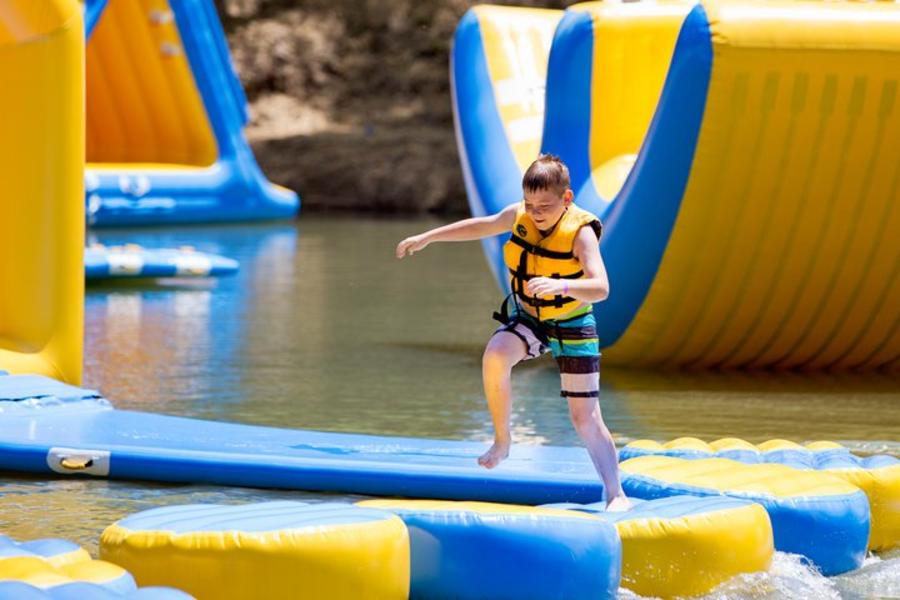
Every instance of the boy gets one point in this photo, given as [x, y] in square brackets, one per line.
[557, 273]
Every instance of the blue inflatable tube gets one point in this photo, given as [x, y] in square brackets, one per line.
[101, 262]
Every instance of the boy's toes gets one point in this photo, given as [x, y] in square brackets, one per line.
[492, 457]
[619, 504]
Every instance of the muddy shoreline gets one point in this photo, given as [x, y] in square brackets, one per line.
[350, 99]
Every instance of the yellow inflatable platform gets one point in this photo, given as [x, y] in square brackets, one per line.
[878, 476]
[265, 550]
[816, 515]
[42, 159]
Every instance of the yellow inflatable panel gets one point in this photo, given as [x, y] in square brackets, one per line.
[517, 42]
[40, 573]
[877, 476]
[685, 546]
[784, 253]
[631, 56]
[722, 475]
[265, 550]
[809, 510]
[42, 198]
[69, 558]
[143, 104]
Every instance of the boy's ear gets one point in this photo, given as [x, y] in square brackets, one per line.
[568, 196]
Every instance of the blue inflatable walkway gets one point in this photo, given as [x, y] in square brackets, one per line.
[49, 427]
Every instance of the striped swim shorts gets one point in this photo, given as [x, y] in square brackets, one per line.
[572, 341]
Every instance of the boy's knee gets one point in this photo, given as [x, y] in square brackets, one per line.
[583, 419]
[496, 358]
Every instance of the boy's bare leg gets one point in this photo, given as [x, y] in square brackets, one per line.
[585, 414]
[503, 351]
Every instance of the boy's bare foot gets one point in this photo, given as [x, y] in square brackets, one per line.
[618, 504]
[494, 455]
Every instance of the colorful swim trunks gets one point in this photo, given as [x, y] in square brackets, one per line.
[572, 341]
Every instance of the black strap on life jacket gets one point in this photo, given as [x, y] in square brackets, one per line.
[503, 315]
[527, 276]
[538, 251]
[538, 303]
[510, 323]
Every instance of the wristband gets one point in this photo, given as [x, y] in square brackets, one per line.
[566, 289]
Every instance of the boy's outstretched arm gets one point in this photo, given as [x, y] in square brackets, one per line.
[466, 230]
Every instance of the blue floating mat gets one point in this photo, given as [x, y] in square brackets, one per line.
[131, 261]
[48, 426]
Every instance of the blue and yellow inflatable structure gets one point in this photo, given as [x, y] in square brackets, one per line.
[165, 119]
[819, 516]
[740, 154]
[42, 169]
[878, 476]
[265, 550]
[55, 569]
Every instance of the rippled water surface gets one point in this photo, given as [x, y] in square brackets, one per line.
[323, 329]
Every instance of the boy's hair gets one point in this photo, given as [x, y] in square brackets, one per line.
[548, 172]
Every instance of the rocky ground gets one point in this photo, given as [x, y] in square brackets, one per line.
[350, 99]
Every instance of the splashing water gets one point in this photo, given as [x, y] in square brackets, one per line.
[791, 577]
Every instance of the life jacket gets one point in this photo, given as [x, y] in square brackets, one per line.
[528, 253]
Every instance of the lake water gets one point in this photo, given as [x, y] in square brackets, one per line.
[323, 328]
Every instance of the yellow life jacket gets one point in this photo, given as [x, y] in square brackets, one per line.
[529, 253]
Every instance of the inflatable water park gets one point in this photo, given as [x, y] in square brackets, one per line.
[742, 159]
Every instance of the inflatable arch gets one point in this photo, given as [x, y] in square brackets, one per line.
[741, 155]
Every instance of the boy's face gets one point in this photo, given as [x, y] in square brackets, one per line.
[545, 207]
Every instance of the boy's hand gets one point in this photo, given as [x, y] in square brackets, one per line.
[545, 286]
[411, 245]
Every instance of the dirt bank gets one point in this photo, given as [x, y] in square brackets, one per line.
[350, 100]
